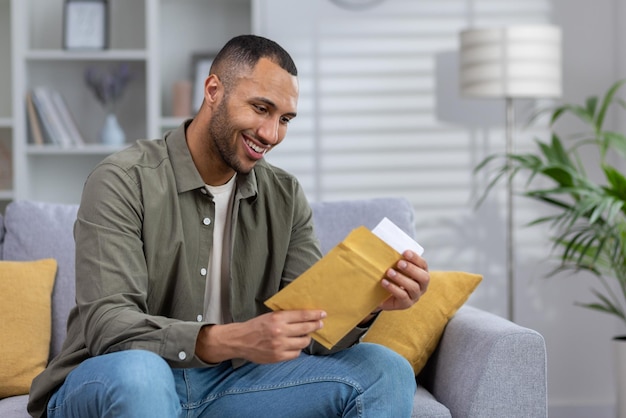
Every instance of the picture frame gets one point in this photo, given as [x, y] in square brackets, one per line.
[201, 68]
[85, 24]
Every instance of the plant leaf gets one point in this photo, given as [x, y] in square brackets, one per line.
[616, 181]
[615, 141]
[608, 99]
[579, 111]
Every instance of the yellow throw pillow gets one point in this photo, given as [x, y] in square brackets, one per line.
[25, 322]
[414, 333]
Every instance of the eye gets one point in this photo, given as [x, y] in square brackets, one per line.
[285, 120]
[260, 108]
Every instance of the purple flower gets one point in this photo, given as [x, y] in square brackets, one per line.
[108, 86]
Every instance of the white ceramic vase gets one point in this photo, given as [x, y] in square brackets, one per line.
[112, 133]
[619, 349]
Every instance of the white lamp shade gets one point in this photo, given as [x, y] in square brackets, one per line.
[516, 62]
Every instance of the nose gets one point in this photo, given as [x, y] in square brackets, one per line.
[269, 131]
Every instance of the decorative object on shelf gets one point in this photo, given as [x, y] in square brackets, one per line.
[181, 99]
[588, 218]
[108, 87]
[511, 62]
[201, 66]
[112, 133]
[85, 24]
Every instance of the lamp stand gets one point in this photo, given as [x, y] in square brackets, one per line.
[510, 259]
[519, 61]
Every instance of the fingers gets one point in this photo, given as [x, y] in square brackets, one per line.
[418, 261]
[279, 336]
[407, 281]
[297, 323]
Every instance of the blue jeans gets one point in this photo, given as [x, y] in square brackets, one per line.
[366, 380]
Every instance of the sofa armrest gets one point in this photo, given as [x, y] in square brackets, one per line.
[486, 366]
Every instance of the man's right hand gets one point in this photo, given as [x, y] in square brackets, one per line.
[268, 338]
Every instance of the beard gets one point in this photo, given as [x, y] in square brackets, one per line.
[221, 132]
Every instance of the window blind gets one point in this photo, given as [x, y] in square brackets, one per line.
[368, 123]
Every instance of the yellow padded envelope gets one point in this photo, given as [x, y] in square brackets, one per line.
[345, 283]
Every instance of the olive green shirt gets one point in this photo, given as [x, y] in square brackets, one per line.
[143, 237]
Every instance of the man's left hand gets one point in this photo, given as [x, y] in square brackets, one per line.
[407, 282]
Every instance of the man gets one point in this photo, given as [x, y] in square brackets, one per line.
[180, 241]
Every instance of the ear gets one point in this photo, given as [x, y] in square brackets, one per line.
[213, 89]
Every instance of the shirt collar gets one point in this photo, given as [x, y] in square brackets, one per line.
[185, 171]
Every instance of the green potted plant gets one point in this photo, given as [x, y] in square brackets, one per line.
[587, 196]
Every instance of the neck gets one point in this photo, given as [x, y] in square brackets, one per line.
[212, 169]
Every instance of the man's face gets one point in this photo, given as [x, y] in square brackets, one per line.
[253, 117]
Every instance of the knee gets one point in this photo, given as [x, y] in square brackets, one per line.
[387, 365]
[134, 383]
[389, 385]
[139, 370]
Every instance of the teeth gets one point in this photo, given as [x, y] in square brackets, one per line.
[255, 147]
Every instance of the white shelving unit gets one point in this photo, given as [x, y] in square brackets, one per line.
[155, 38]
[6, 109]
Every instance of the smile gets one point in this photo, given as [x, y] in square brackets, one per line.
[255, 147]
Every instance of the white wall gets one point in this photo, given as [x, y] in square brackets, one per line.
[417, 151]
[579, 340]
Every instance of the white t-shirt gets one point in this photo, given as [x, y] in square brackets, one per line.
[217, 290]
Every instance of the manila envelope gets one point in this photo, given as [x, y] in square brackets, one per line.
[345, 283]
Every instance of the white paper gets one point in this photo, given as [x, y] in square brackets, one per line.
[396, 238]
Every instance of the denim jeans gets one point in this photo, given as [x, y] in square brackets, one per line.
[366, 380]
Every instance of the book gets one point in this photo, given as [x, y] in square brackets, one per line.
[34, 124]
[67, 119]
[57, 126]
[346, 281]
[50, 123]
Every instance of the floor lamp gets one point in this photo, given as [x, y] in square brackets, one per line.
[509, 63]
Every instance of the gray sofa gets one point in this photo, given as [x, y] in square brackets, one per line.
[484, 366]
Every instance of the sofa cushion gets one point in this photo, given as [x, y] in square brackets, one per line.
[25, 322]
[36, 230]
[14, 407]
[335, 219]
[425, 405]
[415, 332]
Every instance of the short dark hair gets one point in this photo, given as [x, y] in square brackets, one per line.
[245, 51]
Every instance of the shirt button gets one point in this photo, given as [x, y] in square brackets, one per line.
[199, 318]
[203, 271]
[203, 191]
[206, 221]
[182, 355]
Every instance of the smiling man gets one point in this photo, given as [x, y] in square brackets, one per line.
[178, 243]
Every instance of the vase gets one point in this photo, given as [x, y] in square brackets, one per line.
[112, 133]
[619, 349]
